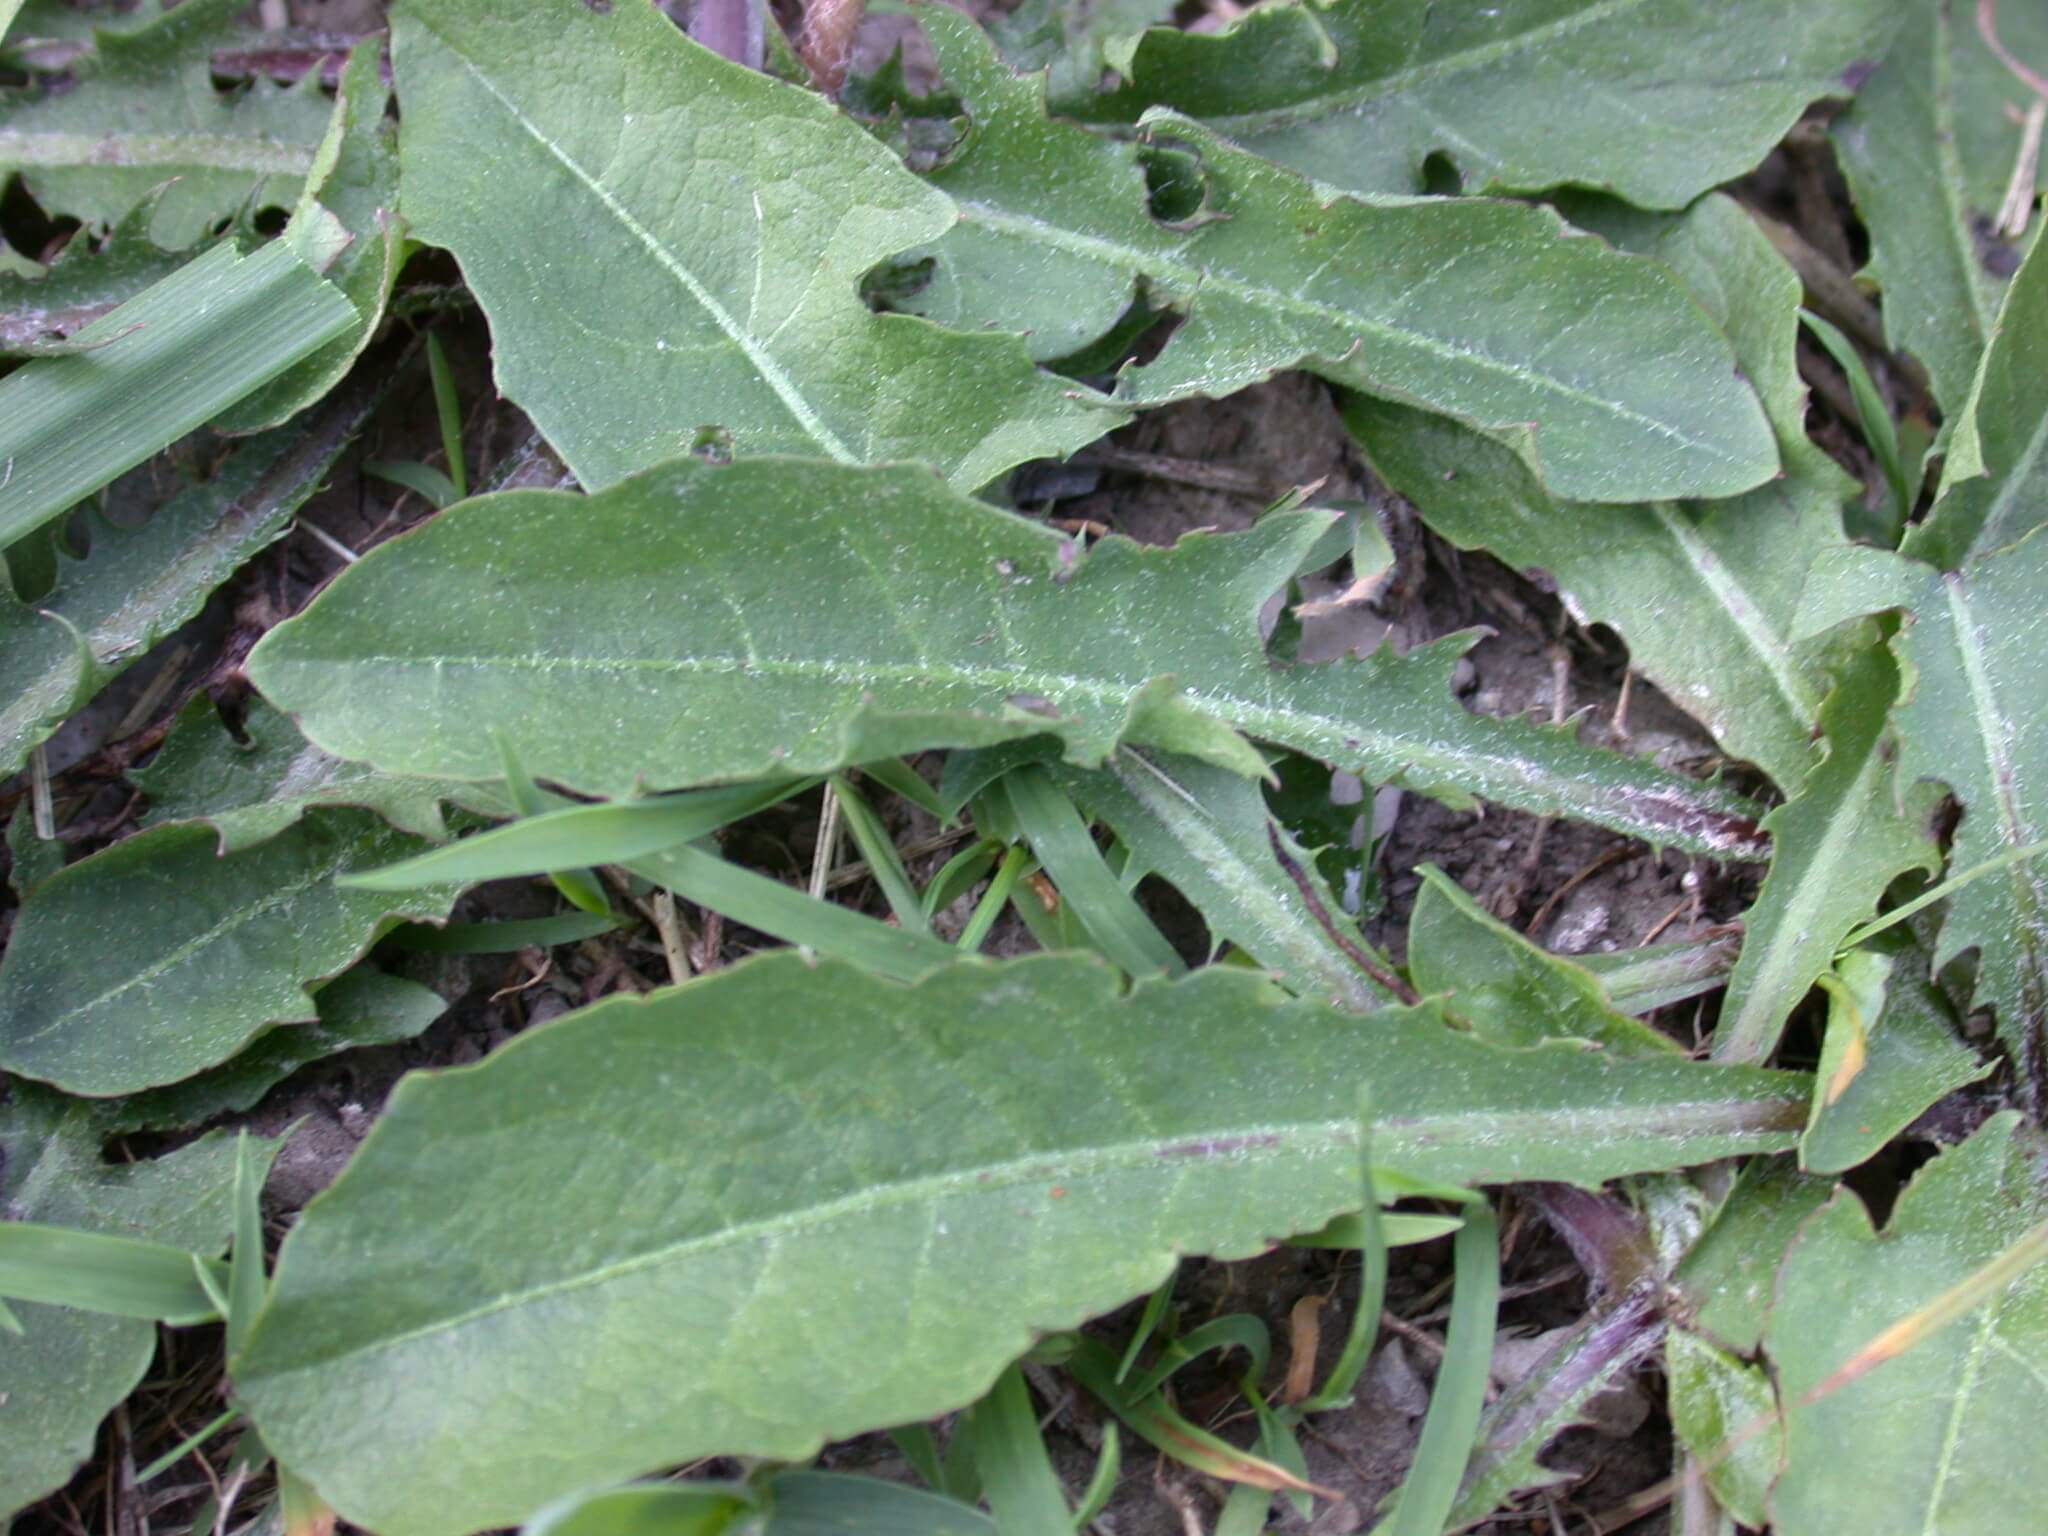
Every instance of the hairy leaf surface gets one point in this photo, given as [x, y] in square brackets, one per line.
[251, 789]
[1703, 592]
[363, 1007]
[1596, 367]
[1507, 989]
[1520, 95]
[195, 954]
[66, 1370]
[144, 111]
[1994, 482]
[140, 584]
[1836, 846]
[98, 269]
[1974, 656]
[700, 624]
[1950, 1436]
[668, 242]
[1911, 1049]
[796, 1232]
[1928, 147]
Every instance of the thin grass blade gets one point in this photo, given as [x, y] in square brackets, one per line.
[742, 896]
[1060, 838]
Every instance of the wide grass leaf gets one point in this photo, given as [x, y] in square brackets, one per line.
[144, 110]
[1519, 95]
[174, 357]
[669, 242]
[355, 179]
[1596, 367]
[66, 1370]
[193, 953]
[1994, 482]
[1704, 592]
[1928, 147]
[140, 584]
[701, 624]
[826, 1203]
[1974, 660]
[1950, 1436]
[1835, 848]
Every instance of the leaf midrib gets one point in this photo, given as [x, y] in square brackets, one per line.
[752, 348]
[1330, 103]
[1486, 771]
[58, 150]
[1393, 1138]
[1195, 280]
[2000, 778]
[1755, 631]
[277, 897]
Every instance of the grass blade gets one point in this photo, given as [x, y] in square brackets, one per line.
[790, 915]
[1102, 1481]
[1151, 1420]
[181, 352]
[1060, 838]
[120, 1276]
[613, 832]
[1017, 1475]
[449, 410]
[1452, 1423]
[960, 875]
[897, 776]
[879, 849]
[1372, 1285]
[1017, 863]
[501, 938]
[245, 1263]
[580, 885]
[1880, 431]
[421, 479]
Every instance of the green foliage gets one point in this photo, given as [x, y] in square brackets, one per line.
[1706, 592]
[1974, 674]
[1273, 272]
[1928, 147]
[196, 952]
[1894, 1046]
[1507, 989]
[144, 111]
[66, 1368]
[1840, 842]
[459, 627]
[754, 645]
[953, 1115]
[165, 362]
[1943, 1438]
[1994, 482]
[140, 584]
[1518, 96]
[251, 786]
[98, 269]
[709, 307]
